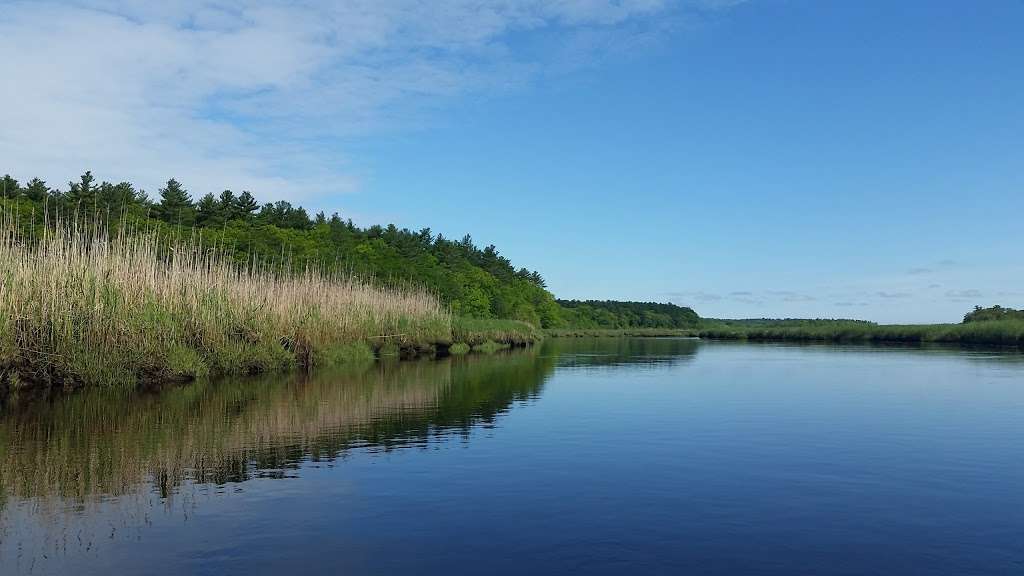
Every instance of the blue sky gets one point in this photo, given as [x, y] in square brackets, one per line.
[755, 158]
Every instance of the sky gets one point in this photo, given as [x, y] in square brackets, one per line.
[748, 158]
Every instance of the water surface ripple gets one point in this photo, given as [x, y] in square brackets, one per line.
[596, 456]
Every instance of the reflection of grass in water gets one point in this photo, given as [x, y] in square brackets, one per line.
[107, 442]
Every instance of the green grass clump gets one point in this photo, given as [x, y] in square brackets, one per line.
[475, 332]
[185, 363]
[459, 349]
[349, 354]
[490, 347]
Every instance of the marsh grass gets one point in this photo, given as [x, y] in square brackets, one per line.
[490, 347]
[476, 332]
[994, 332]
[81, 306]
[459, 349]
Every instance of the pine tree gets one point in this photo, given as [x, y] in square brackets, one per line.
[228, 205]
[208, 211]
[82, 194]
[9, 186]
[37, 190]
[247, 205]
[175, 204]
[117, 196]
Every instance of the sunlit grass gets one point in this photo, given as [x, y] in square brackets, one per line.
[81, 307]
[476, 332]
[995, 332]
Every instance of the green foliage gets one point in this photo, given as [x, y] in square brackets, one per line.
[601, 314]
[175, 204]
[473, 282]
[622, 332]
[354, 353]
[996, 312]
[490, 347]
[37, 190]
[459, 349]
[992, 332]
[185, 363]
[475, 331]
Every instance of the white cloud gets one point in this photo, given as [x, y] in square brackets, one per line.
[254, 94]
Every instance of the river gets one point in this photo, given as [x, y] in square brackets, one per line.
[595, 456]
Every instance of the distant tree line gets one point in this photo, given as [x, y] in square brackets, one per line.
[996, 312]
[614, 314]
[475, 282]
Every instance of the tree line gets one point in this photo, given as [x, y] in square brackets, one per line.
[614, 314]
[476, 282]
[996, 312]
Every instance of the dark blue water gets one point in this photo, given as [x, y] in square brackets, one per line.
[636, 456]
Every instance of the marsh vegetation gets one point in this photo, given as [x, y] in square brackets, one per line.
[82, 305]
[1000, 332]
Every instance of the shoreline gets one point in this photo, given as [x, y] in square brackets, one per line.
[501, 335]
[988, 333]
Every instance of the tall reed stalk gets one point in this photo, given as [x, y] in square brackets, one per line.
[82, 306]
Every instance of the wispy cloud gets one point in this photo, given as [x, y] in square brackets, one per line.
[694, 296]
[790, 296]
[968, 294]
[936, 267]
[892, 295]
[257, 94]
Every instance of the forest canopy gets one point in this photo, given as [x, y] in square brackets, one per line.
[475, 282]
[614, 314]
[996, 312]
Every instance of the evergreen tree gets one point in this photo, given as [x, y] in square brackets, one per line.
[117, 196]
[37, 190]
[228, 205]
[175, 204]
[208, 211]
[9, 187]
[82, 194]
[298, 219]
[537, 279]
[247, 205]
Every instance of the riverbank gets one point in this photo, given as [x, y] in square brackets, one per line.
[81, 308]
[995, 332]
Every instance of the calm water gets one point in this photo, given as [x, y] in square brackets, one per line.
[639, 456]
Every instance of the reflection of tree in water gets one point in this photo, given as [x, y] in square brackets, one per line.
[77, 469]
[610, 352]
[110, 443]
